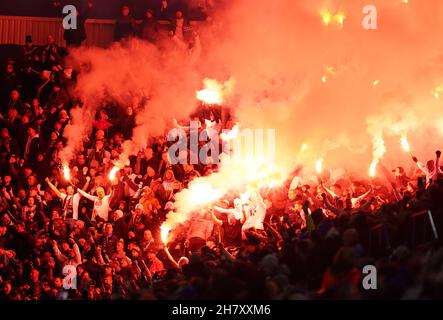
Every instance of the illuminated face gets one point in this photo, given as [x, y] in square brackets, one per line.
[70, 190]
[50, 39]
[108, 229]
[5, 132]
[125, 11]
[30, 201]
[58, 283]
[147, 235]
[168, 175]
[150, 172]
[15, 95]
[430, 165]
[120, 246]
[100, 193]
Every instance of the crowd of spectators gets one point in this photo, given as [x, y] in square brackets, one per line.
[309, 238]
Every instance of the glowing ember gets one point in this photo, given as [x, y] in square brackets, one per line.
[319, 166]
[113, 173]
[405, 144]
[164, 232]
[67, 173]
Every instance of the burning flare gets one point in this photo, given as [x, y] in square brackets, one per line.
[373, 168]
[405, 144]
[67, 173]
[164, 232]
[214, 92]
[113, 173]
[329, 18]
[319, 165]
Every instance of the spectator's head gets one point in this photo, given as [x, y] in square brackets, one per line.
[147, 235]
[430, 165]
[108, 229]
[15, 95]
[149, 153]
[32, 180]
[50, 39]
[9, 69]
[169, 175]
[125, 11]
[149, 14]
[32, 131]
[70, 190]
[139, 209]
[100, 135]
[150, 171]
[99, 145]
[179, 14]
[100, 192]
[4, 133]
[117, 214]
[81, 159]
[28, 40]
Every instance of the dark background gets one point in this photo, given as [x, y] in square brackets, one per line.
[103, 9]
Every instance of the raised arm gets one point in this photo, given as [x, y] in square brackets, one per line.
[227, 211]
[86, 195]
[53, 188]
[328, 205]
[86, 185]
[364, 195]
[217, 221]
[420, 165]
[330, 192]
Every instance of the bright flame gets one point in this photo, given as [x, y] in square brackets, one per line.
[304, 147]
[67, 173]
[319, 165]
[328, 17]
[373, 168]
[375, 83]
[113, 173]
[164, 232]
[339, 18]
[405, 144]
[214, 92]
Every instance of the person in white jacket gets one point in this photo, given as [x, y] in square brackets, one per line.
[101, 203]
[432, 169]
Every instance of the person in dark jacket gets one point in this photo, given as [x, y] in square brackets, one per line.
[125, 25]
[75, 37]
[149, 29]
